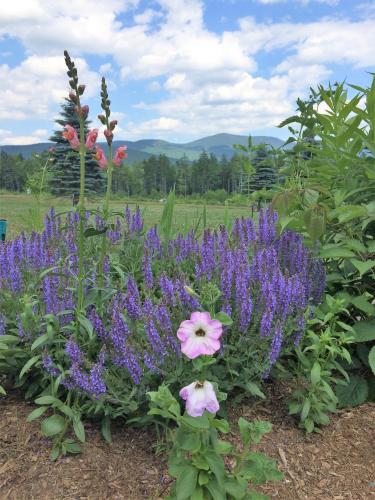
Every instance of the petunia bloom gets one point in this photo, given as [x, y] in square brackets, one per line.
[200, 335]
[70, 135]
[119, 155]
[100, 157]
[91, 138]
[199, 396]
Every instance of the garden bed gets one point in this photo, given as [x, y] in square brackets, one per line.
[337, 464]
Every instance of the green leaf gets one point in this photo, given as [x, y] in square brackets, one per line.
[92, 231]
[39, 341]
[53, 425]
[47, 400]
[188, 441]
[221, 425]
[253, 431]
[224, 318]
[86, 324]
[203, 477]
[36, 413]
[79, 430]
[363, 267]
[305, 409]
[371, 359]
[335, 253]
[2, 390]
[201, 423]
[353, 394]
[364, 331]
[223, 447]
[235, 488]
[186, 482]
[29, 364]
[197, 494]
[216, 490]
[71, 446]
[259, 468]
[363, 304]
[216, 464]
[315, 373]
[106, 429]
[55, 453]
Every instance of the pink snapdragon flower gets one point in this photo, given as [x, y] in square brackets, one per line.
[200, 335]
[70, 135]
[119, 155]
[100, 157]
[199, 396]
[91, 138]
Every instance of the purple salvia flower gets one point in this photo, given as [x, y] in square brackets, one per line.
[276, 344]
[2, 324]
[147, 270]
[168, 292]
[49, 366]
[74, 352]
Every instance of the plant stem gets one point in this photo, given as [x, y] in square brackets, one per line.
[106, 213]
[81, 210]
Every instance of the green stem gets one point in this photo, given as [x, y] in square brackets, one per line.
[81, 210]
[106, 213]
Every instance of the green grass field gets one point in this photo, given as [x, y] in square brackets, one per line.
[22, 215]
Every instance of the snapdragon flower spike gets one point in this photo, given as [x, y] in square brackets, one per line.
[91, 138]
[100, 157]
[71, 135]
[200, 335]
[120, 154]
[199, 396]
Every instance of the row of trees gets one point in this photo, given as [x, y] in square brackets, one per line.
[250, 169]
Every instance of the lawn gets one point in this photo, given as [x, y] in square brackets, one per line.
[18, 208]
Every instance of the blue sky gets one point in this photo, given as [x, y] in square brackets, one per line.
[178, 69]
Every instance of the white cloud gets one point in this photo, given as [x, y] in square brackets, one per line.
[210, 79]
[8, 138]
[303, 2]
[30, 89]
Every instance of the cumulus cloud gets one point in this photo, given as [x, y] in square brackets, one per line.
[209, 81]
[38, 135]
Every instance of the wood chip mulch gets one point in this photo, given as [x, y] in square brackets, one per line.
[335, 465]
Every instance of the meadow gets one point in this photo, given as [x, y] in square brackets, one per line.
[19, 210]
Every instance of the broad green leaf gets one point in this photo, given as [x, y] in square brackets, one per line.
[363, 304]
[53, 425]
[223, 447]
[86, 324]
[106, 429]
[371, 359]
[186, 482]
[315, 373]
[364, 331]
[200, 423]
[305, 409]
[216, 464]
[29, 364]
[224, 318]
[217, 491]
[235, 488]
[363, 267]
[47, 400]
[353, 394]
[92, 231]
[79, 430]
[221, 425]
[259, 468]
[335, 253]
[40, 341]
[36, 413]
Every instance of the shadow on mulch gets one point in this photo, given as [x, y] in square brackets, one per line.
[337, 464]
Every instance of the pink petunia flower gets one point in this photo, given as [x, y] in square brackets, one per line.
[119, 155]
[200, 396]
[70, 135]
[100, 157]
[91, 138]
[200, 335]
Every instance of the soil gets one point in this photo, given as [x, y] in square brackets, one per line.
[337, 464]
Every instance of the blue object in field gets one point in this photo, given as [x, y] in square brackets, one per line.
[3, 229]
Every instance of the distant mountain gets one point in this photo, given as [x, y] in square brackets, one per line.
[218, 144]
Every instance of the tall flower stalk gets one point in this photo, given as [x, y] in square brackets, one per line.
[77, 91]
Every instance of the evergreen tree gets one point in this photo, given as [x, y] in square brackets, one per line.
[265, 175]
[66, 163]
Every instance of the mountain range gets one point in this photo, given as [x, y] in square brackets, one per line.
[218, 144]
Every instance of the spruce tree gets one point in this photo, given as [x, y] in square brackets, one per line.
[265, 175]
[65, 166]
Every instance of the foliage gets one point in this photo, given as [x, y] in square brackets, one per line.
[313, 372]
[197, 456]
[329, 193]
[65, 179]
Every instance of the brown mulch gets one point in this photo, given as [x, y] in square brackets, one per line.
[337, 464]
